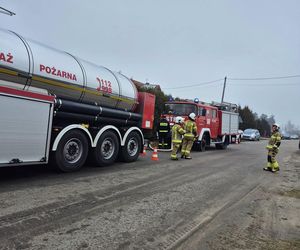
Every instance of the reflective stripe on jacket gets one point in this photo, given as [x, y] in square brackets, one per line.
[164, 126]
[191, 129]
[177, 132]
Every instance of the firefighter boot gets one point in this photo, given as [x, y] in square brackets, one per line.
[268, 168]
[188, 155]
[275, 167]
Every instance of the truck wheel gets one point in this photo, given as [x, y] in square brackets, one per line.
[233, 139]
[107, 149]
[202, 145]
[224, 144]
[132, 148]
[71, 152]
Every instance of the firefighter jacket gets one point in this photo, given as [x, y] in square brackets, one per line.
[274, 141]
[190, 128]
[164, 126]
[177, 132]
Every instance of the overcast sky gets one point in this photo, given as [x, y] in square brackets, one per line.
[179, 43]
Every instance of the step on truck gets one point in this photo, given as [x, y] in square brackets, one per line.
[217, 123]
[58, 108]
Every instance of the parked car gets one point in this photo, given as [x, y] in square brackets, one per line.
[251, 134]
[285, 135]
[294, 137]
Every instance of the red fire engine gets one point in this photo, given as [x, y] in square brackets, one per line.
[217, 123]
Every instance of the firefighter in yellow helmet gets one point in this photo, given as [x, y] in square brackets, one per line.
[190, 128]
[177, 132]
[272, 148]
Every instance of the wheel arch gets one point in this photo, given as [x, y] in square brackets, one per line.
[203, 132]
[67, 129]
[105, 128]
[129, 131]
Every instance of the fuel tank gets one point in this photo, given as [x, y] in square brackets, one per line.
[32, 64]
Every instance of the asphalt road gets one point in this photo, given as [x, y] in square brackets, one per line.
[221, 199]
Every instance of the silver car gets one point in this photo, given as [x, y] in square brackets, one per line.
[251, 134]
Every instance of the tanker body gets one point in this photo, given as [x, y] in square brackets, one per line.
[56, 106]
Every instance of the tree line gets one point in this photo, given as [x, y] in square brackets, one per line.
[250, 119]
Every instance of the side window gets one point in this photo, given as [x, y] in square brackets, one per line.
[200, 111]
[203, 112]
[208, 112]
[214, 113]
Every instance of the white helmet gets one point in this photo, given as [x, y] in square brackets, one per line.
[192, 116]
[178, 119]
[276, 125]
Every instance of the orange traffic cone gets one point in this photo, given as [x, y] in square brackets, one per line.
[144, 151]
[154, 155]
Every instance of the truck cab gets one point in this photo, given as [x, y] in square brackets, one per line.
[216, 123]
[206, 116]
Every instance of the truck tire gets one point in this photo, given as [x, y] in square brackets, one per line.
[71, 152]
[107, 149]
[132, 148]
[224, 144]
[201, 145]
[233, 139]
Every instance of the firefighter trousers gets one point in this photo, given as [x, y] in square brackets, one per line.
[187, 144]
[176, 146]
[164, 141]
[272, 162]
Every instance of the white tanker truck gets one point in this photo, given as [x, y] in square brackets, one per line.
[55, 106]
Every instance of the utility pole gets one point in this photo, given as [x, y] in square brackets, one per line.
[224, 89]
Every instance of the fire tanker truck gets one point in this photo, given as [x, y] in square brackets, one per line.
[59, 108]
[217, 123]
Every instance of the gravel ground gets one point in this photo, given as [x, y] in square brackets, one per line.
[221, 199]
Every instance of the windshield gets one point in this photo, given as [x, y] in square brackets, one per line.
[181, 108]
[249, 131]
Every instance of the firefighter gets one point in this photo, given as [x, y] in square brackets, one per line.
[164, 133]
[190, 128]
[177, 132]
[272, 148]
